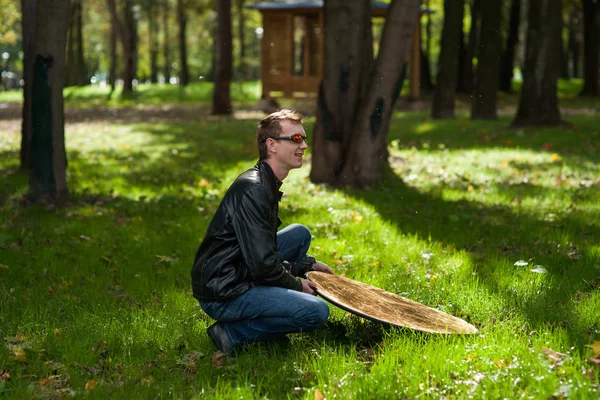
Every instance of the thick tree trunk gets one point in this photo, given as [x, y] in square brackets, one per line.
[508, 55]
[538, 105]
[445, 88]
[223, 60]
[488, 68]
[357, 96]
[48, 21]
[591, 48]
[166, 53]
[153, 41]
[184, 75]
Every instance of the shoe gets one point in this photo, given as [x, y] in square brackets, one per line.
[219, 337]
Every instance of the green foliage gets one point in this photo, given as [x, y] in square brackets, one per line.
[95, 297]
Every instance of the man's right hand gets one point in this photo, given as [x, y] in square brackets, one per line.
[308, 286]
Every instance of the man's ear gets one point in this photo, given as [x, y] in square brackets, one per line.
[271, 147]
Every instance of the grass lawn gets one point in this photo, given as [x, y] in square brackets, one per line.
[497, 226]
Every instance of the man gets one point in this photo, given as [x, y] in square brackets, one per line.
[245, 273]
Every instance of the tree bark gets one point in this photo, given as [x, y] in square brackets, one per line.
[153, 40]
[445, 88]
[28, 26]
[184, 75]
[112, 68]
[488, 68]
[241, 38]
[127, 32]
[357, 95]
[47, 21]
[166, 53]
[467, 50]
[76, 69]
[508, 55]
[538, 104]
[223, 60]
[591, 48]
[574, 42]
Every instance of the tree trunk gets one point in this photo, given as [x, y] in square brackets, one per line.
[166, 54]
[240, 30]
[184, 76]
[223, 60]
[591, 48]
[508, 56]
[426, 82]
[47, 21]
[445, 88]
[357, 95]
[467, 51]
[28, 26]
[153, 41]
[574, 42]
[112, 69]
[126, 31]
[538, 105]
[488, 68]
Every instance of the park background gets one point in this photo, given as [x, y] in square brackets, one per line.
[481, 197]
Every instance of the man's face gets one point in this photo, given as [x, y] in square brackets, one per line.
[288, 152]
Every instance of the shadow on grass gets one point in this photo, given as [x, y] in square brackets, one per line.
[469, 226]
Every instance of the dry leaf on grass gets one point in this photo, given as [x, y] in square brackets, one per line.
[218, 359]
[319, 395]
[595, 346]
[557, 358]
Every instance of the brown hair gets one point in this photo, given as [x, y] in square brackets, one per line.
[270, 127]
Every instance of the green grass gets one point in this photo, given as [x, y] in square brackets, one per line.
[98, 292]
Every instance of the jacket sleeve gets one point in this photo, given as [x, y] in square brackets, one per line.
[255, 238]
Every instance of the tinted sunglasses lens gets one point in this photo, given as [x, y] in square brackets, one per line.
[299, 138]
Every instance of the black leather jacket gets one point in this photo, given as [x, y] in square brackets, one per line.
[239, 248]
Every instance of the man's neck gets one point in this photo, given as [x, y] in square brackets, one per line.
[280, 173]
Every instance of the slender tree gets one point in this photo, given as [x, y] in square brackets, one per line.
[241, 38]
[357, 93]
[574, 41]
[488, 68]
[45, 24]
[75, 61]
[184, 75]
[468, 49]
[152, 13]
[591, 48]
[538, 104]
[124, 21]
[508, 55]
[166, 52]
[445, 88]
[223, 52]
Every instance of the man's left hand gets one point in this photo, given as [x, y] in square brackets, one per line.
[319, 266]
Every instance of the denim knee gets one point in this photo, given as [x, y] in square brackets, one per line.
[315, 315]
[301, 232]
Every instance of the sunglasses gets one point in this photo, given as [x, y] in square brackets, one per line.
[297, 138]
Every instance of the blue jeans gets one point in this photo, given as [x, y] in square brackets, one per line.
[269, 312]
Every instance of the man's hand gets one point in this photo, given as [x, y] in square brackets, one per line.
[308, 286]
[319, 266]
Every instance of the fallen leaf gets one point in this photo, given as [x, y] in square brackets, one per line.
[19, 354]
[5, 375]
[91, 384]
[557, 358]
[2, 266]
[218, 359]
[555, 157]
[319, 395]
[595, 346]
[593, 361]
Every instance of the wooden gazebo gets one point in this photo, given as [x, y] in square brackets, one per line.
[292, 48]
